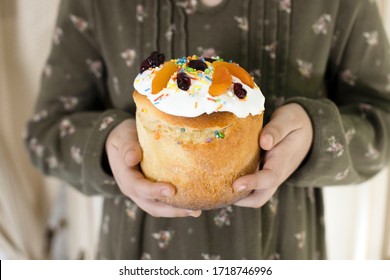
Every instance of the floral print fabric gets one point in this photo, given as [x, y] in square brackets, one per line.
[331, 57]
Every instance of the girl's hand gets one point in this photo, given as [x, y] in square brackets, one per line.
[124, 154]
[287, 139]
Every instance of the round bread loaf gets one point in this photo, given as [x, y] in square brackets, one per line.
[201, 156]
[199, 122]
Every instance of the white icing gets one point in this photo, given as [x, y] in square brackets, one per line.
[196, 100]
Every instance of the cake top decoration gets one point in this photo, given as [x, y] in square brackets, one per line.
[191, 86]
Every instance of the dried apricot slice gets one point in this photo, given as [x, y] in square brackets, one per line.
[236, 71]
[162, 77]
[221, 81]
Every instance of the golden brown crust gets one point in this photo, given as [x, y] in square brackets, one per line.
[185, 152]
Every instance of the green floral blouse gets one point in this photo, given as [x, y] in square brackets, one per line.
[330, 56]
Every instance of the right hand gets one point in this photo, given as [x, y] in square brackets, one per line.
[124, 154]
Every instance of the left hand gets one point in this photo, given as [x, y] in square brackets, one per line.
[287, 139]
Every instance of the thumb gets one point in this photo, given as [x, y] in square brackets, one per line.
[276, 130]
[124, 139]
[271, 135]
[132, 153]
[129, 146]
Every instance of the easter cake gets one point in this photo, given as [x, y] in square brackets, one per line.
[198, 122]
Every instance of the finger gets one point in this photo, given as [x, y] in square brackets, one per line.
[132, 153]
[134, 184]
[279, 164]
[130, 147]
[285, 158]
[125, 141]
[266, 140]
[281, 124]
[257, 198]
[277, 167]
[160, 209]
[273, 133]
[263, 179]
[129, 152]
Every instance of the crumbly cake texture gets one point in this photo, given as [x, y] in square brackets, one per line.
[201, 156]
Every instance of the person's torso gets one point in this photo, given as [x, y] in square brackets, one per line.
[284, 44]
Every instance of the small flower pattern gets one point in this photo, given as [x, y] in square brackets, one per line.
[131, 209]
[57, 36]
[273, 204]
[189, 6]
[95, 67]
[342, 175]
[69, 102]
[80, 23]
[140, 13]
[242, 23]
[285, 6]
[52, 162]
[223, 218]
[271, 49]
[41, 115]
[365, 107]
[256, 73]
[305, 68]
[163, 238]
[336, 148]
[169, 33]
[371, 153]
[111, 183]
[75, 153]
[348, 77]
[129, 56]
[322, 25]
[106, 122]
[66, 127]
[349, 135]
[116, 86]
[301, 238]
[36, 148]
[371, 38]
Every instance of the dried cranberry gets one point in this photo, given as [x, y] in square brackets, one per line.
[239, 91]
[183, 81]
[197, 64]
[155, 59]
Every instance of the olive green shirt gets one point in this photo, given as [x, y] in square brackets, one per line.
[331, 57]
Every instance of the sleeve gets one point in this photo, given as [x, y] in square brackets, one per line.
[351, 127]
[66, 135]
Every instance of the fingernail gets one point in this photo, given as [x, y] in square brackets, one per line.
[241, 188]
[194, 214]
[166, 192]
[270, 139]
